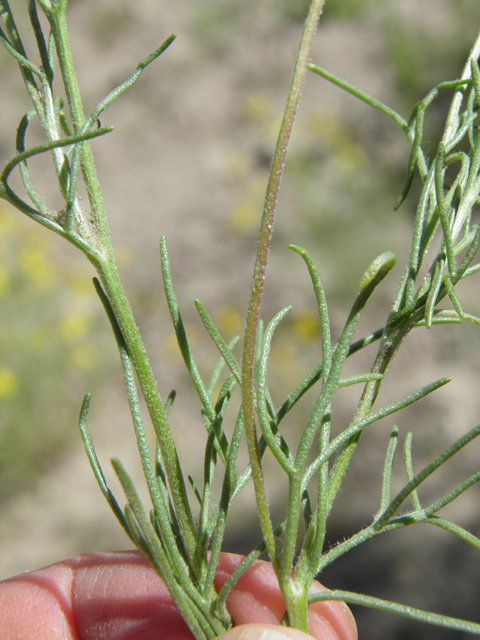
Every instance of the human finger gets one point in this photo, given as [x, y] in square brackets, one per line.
[256, 598]
[113, 595]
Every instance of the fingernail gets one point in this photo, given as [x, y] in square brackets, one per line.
[263, 632]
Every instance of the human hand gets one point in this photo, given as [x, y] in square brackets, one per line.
[118, 596]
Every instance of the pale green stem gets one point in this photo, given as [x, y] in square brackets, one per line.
[107, 270]
[253, 314]
[388, 349]
[58, 22]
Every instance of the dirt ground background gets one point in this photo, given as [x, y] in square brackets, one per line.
[188, 159]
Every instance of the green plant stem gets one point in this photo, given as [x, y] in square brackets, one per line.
[58, 22]
[115, 292]
[453, 117]
[297, 614]
[102, 258]
[399, 609]
[388, 348]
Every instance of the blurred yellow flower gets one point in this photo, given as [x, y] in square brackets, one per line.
[74, 325]
[285, 361]
[81, 284]
[258, 106]
[8, 222]
[84, 356]
[245, 215]
[123, 255]
[35, 262]
[306, 326]
[170, 344]
[4, 282]
[9, 383]
[273, 127]
[349, 156]
[236, 165]
[323, 124]
[228, 320]
[42, 338]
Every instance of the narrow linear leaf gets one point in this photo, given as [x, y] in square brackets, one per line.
[400, 609]
[219, 342]
[425, 473]
[387, 471]
[407, 456]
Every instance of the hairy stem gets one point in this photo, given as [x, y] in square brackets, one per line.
[104, 262]
[253, 314]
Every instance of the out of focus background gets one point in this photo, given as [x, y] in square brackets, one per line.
[189, 159]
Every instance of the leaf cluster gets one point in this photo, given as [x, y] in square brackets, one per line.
[184, 544]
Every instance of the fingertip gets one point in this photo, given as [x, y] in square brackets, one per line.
[330, 619]
[256, 598]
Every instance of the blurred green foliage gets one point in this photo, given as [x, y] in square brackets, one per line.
[422, 53]
[296, 11]
[51, 349]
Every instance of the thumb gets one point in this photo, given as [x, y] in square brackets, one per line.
[265, 632]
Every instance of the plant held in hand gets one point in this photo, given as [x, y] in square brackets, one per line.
[183, 544]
